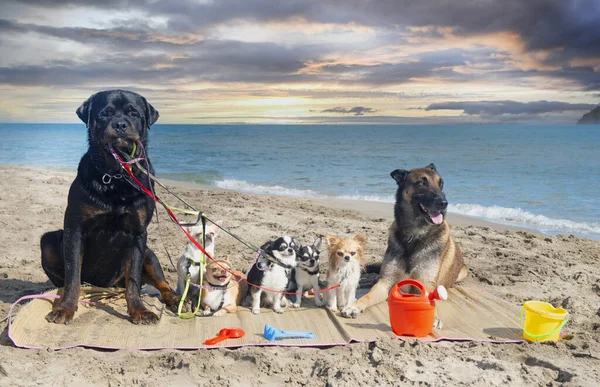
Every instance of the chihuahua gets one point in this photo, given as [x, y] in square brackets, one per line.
[222, 291]
[306, 273]
[345, 265]
[190, 259]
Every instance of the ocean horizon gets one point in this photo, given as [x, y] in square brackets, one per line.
[542, 177]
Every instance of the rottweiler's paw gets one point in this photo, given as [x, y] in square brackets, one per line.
[351, 311]
[60, 315]
[144, 317]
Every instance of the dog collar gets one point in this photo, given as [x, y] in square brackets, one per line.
[308, 271]
[191, 262]
[106, 178]
[276, 261]
[224, 286]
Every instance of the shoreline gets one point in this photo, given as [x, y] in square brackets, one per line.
[374, 209]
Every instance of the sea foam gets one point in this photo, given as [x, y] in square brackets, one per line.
[504, 215]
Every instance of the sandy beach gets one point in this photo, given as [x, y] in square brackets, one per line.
[517, 265]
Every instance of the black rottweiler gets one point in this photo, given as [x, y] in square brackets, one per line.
[104, 238]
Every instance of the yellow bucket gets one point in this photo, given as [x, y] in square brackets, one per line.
[541, 321]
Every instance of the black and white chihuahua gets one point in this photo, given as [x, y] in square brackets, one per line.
[306, 273]
[272, 271]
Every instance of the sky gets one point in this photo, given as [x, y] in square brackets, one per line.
[321, 61]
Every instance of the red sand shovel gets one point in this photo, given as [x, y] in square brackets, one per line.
[226, 333]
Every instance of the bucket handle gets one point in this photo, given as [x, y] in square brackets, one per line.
[412, 282]
[544, 334]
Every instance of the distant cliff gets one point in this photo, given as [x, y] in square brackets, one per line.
[593, 117]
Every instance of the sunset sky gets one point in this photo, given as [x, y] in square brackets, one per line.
[322, 61]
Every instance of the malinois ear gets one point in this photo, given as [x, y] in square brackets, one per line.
[399, 175]
[431, 166]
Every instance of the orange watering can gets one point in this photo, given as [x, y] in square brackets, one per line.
[413, 314]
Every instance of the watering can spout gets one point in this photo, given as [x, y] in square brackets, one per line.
[440, 293]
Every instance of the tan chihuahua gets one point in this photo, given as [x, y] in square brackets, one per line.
[345, 265]
[223, 292]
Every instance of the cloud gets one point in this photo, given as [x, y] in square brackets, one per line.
[331, 52]
[497, 108]
[357, 110]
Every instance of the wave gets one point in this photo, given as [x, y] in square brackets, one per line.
[518, 216]
[244, 186]
[513, 216]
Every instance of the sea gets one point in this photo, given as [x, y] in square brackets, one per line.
[541, 177]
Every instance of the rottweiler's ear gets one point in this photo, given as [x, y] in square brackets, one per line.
[150, 114]
[431, 166]
[84, 112]
[399, 175]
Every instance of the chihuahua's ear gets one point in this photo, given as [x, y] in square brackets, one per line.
[296, 243]
[214, 228]
[332, 240]
[399, 175]
[362, 238]
[317, 243]
[266, 246]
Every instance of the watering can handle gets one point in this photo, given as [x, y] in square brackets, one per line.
[412, 282]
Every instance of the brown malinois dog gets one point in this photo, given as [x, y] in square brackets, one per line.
[419, 246]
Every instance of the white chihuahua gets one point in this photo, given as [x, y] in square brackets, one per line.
[191, 256]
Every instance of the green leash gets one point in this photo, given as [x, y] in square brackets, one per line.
[200, 279]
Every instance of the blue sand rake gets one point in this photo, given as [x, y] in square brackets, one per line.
[272, 333]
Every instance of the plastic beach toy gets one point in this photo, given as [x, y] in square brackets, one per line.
[226, 333]
[413, 314]
[272, 333]
[541, 321]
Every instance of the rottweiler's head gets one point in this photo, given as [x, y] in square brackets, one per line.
[420, 194]
[118, 118]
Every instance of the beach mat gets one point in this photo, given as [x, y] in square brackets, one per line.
[102, 322]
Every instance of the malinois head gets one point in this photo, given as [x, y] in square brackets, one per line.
[420, 196]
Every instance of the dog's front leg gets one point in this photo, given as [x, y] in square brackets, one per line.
[316, 291]
[277, 301]
[133, 277]
[63, 312]
[331, 297]
[378, 294]
[255, 293]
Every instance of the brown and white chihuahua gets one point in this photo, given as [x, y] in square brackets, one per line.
[223, 292]
[345, 265]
